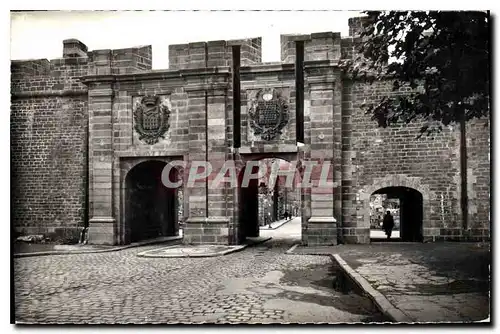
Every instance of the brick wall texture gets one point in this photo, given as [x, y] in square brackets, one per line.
[73, 142]
[49, 146]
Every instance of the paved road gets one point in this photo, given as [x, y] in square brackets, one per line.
[257, 285]
[431, 283]
[380, 234]
[289, 233]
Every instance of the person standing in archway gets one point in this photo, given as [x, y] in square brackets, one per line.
[388, 224]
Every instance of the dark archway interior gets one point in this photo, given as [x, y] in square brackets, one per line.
[249, 206]
[150, 207]
[411, 211]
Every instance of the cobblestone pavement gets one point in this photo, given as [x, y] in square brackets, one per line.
[434, 282]
[260, 284]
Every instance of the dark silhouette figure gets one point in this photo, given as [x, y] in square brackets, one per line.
[388, 224]
[287, 215]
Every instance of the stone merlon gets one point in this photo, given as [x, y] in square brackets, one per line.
[74, 48]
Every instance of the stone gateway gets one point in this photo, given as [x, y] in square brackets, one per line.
[92, 132]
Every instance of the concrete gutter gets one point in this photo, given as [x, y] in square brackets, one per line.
[384, 305]
[90, 251]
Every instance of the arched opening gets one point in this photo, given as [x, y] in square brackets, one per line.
[151, 209]
[405, 205]
[266, 203]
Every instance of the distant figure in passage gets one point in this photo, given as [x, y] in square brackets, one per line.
[388, 224]
[287, 215]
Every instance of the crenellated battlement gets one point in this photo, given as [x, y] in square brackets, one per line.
[77, 59]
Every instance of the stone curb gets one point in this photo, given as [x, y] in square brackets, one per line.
[290, 251]
[259, 241]
[234, 249]
[379, 299]
[277, 227]
[69, 252]
[221, 253]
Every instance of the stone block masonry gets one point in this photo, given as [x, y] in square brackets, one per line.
[49, 131]
[75, 139]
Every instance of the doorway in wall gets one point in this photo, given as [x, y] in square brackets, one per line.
[151, 208]
[405, 205]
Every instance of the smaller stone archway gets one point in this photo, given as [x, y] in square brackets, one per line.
[408, 214]
[416, 197]
[150, 209]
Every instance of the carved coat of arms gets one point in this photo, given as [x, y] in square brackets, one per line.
[151, 116]
[268, 113]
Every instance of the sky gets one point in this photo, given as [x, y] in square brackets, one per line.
[40, 34]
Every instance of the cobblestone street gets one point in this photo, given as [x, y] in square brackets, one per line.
[260, 284]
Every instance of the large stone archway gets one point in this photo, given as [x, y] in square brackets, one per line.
[144, 200]
[393, 181]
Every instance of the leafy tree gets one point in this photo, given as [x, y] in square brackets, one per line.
[442, 56]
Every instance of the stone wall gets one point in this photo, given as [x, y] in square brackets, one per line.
[375, 157]
[479, 179]
[393, 156]
[49, 129]
[380, 157]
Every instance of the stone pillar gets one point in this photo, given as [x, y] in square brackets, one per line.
[321, 225]
[337, 152]
[102, 224]
[196, 194]
[216, 226]
[304, 154]
[351, 231]
[235, 229]
[207, 220]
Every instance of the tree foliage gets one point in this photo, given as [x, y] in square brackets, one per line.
[442, 56]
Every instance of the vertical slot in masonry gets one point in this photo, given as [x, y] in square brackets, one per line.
[236, 97]
[299, 90]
